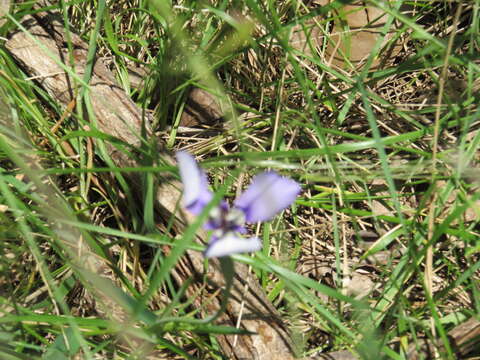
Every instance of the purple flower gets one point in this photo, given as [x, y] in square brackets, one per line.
[267, 195]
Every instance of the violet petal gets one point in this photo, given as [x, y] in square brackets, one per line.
[230, 244]
[196, 194]
[267, 195]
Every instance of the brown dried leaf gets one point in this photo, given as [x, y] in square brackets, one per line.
[358, 285]
[4, 8]
[201, 108]
[355, 32]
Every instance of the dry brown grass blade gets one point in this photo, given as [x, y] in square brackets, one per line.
[117, 115]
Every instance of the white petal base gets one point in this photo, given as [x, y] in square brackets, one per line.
[231, 244]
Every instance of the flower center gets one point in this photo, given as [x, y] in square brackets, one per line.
[235, 217]
[224, 219]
